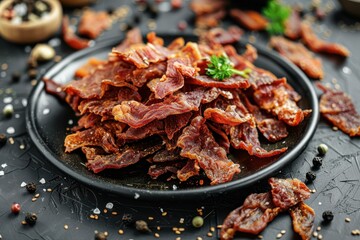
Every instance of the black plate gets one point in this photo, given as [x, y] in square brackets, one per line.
[48, 121]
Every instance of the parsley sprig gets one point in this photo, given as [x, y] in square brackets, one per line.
[220, 67]
[277, 13]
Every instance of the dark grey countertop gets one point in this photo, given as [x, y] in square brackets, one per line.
[71, 203]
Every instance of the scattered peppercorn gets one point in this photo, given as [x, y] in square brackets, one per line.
[15, 76]
[31, 187]
[198, 222]
[328, 216]
[110, 11]
[137, 19]
[322, 149]
[127, 219]
[3, 139]
[30, 218]
[142, 226]
[317, 162]
[310, 176]
[154, 11]
[100, 236]
[15, 208]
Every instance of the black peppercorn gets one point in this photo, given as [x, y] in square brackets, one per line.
[31, 187]
[100, 236]
[310, 176]
[110, 11]
[15, 76]
[328, 216]
[142, 226]
[154, 11]
[3, 139]
[30, 218]
[137, 18]
[127, 219]
[317, 161]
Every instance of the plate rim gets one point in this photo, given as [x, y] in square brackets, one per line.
[185, 194]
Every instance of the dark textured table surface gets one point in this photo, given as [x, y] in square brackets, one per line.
[64, 201]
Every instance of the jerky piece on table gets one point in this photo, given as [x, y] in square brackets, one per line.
[338, 108]
[92, 23]
[303, 217]
[210, 20]
[216, 36]
[70, 37]
[198, 143]
[150, 129]
[293, 25]
[318, 45]
[252, 217]
[288, 192]
[251, 20]
[299, 55]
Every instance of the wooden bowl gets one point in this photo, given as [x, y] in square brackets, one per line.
[351, 6]
[34, 31]
[76, 3]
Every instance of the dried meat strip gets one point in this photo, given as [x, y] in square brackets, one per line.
[141, 55]
[272, 129]
[136, 114]
[210, 20]
[250, 53]
[70, 37]
[276, 99]
[200, 7]
[338, 108]
[88, 67]
[288, 192]
[299, 55]
[230, 112]
[157, 170]
[318, 45]
[216, 36]
[92, 23]
[54, 88]
[126, 156]
[252, 217]
[293, 25]
[251, 20]
[190, 169]
[173, 80]
[198, 143]
[150, 129]
[91, 137]
[228, 83]
[96, 84]
[132, 37]
[245, 136]
[303, 217]
[166, 155]
[141, 76]
[175, 123]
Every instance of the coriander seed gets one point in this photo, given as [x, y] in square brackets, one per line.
[198, 222]
[142, 226]
[322, 149]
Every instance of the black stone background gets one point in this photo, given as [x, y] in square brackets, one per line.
[70, 203]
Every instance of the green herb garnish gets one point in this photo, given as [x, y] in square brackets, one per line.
[277, 13]
[220, 67]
